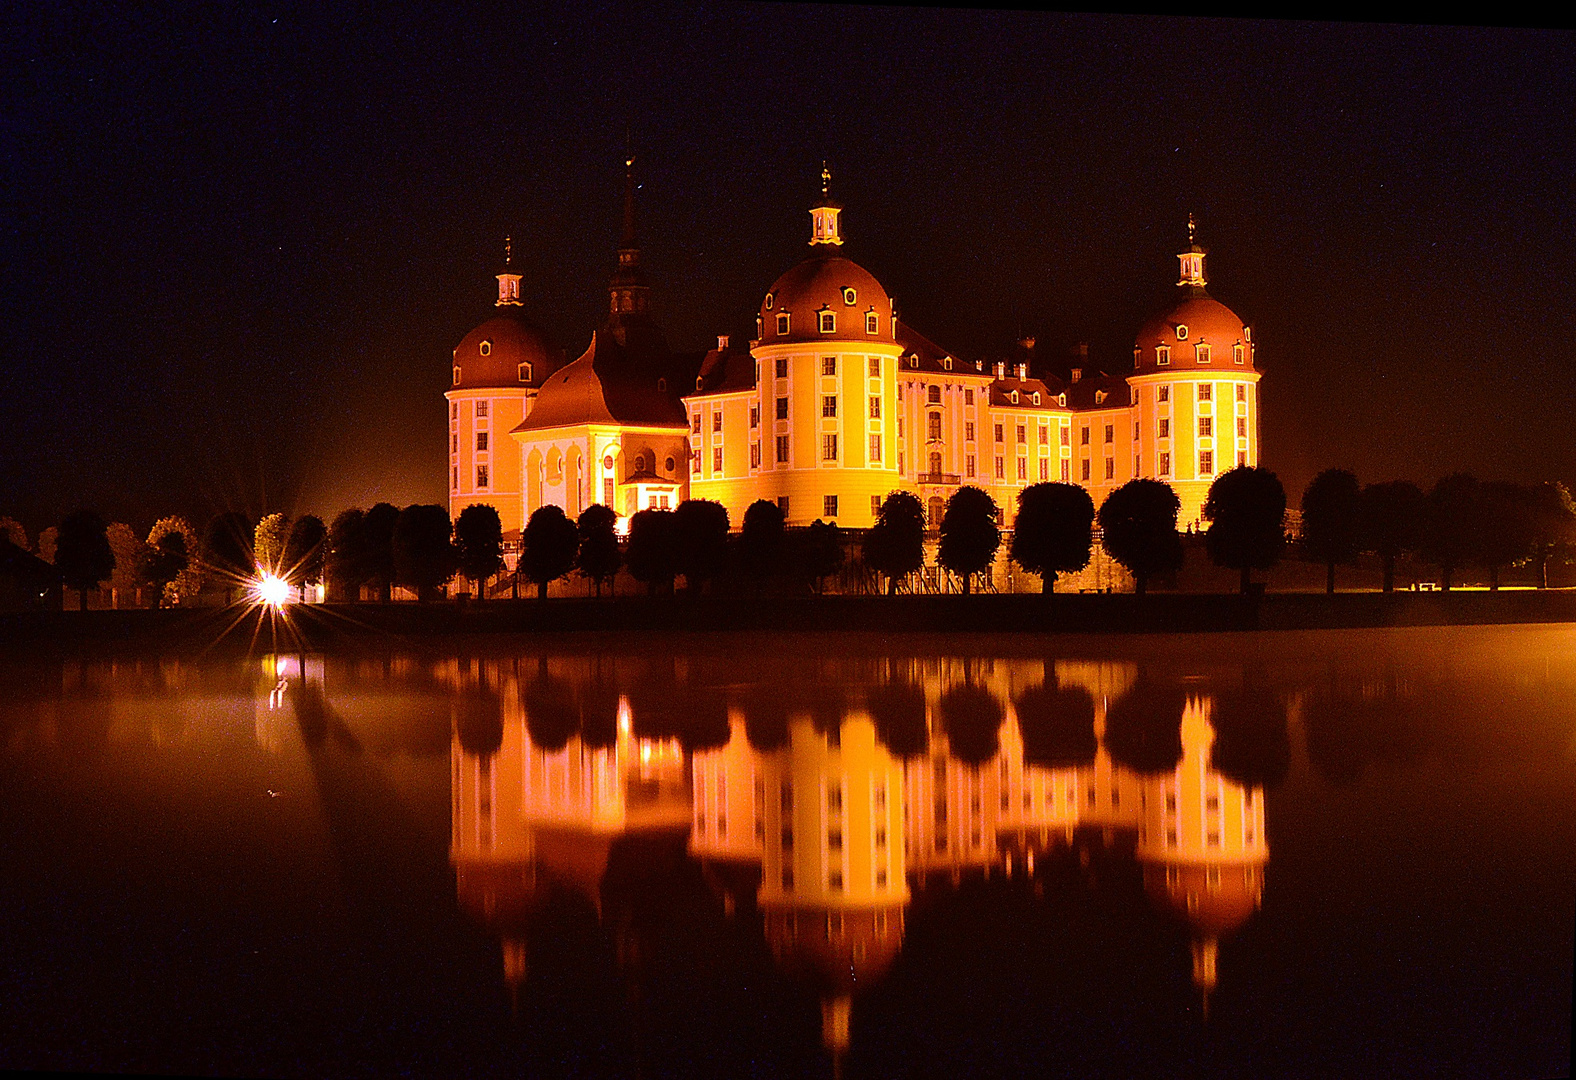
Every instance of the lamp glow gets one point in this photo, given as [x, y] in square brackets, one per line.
[273, 590]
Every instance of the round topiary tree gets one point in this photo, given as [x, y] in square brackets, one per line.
[551, 543]
[83, 554]
[478, 539]
[895, 545]
[1138, 522]
[1332, 521]
[1246, 509]
[598, 557]
[970, 536]
[762, 541]
[1053, 532]
[701, 541]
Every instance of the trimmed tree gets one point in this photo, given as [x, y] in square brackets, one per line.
[83, 555]
[305, 549]
[227, 550]
[1246, 509]
[346, 564]
[268, 542]
[1139, 524]
[478, 537]
[969, 534]
[1332, 521]
[1392, 523]
[701, 537]
[649, 555]
[895, 545]
[129, 549]
[1054, 531]
[187, 583]
[424, 556]
[378, 549]
[551, 543]
[1454, 526]
[1553, 517]
[598, 557]
[1506, 527]
[821, 552]
[164, 559]
[762, 541]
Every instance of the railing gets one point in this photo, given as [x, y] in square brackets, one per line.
[938, 478]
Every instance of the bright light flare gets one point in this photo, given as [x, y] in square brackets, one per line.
[272, 590]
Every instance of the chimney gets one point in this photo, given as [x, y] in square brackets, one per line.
[1023, 372]
[1077, 374]
[722, 342]
[1001, 369]
[1026, 343]
[1083, 351]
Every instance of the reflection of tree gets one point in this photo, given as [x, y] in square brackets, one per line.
[599, 711]
[550, 713]
[765, 717]
[1143, 727]
[1057, 724]
[1251, 745]
[1348, 730]
[898, 709]
[478, 723]
[972, 716]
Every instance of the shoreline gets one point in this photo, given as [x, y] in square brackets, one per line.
[1172, 614]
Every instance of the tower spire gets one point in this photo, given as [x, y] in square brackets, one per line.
[1192, 261]
[628, 294]
[824, 226]
[508, 281]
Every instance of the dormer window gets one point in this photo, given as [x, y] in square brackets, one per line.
[769, 298]
[1012, 396]
[946, 363]
[1181, 331]
[849, 295]
[782, 322]
[1247, 333]
[913, 362]
[828, 322]
[872, 323]
[1163, 355]
[456, 376]
[1036, 397]
[524, 371]
[1061, 400]
[485, 348]
[1099, 397]
[662, 386]
[1238, 353]
[1201, 352]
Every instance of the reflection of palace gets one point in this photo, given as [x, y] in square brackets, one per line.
[841, 831]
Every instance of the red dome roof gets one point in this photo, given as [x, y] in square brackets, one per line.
[826, 283]
[1204, 320]
[490, 356]
[1212, 908]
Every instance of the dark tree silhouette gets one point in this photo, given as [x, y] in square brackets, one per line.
[1332, 521]
[969, 535]
[551, 544]
[598, 558]
[305, 549]
[1139, 524]
[650, 555]
[1392, 523]
[378, 534]
[971, 717]
[1054, 531]
[478, 722]
[83, 555]
[1251, 745]
[346, 562]
[1506, 527]
[1057, 724]
[598, 699]
[1246, 509]
[163, 562]
[424, 555]
[1553, 516]
[1454, 527]
[700, 528]
[551, 715]
[821, 552]
[1143, 727]
[762, 541]
[227, 550]
[478, 542]
[895, 545]
[898, 710]
[765, 717]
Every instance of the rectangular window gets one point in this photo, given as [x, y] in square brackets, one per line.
[782, 367]
[834, 883]
[716, 420]
[834, 839]
[872, 323]
[782, 449]
[454, 410]
[875, 367]
[454, 443]
[755, 455]
[782, 408]
[1236, 353]
[782, 324]
[695, 461]
[1206, 462]
[782, 504]
[1242, 426]
[968, 397]
[968, 431]
[695, 423]
[481, 440]
[1162, 352]
[1045, 435]
[716, 459]
[1110, 468]
[1201, 352]
[1204, 391]
[1023, 434]
[1045, 468]
[1066, 471]
[875, 408]
[454, 479]
[828, 365]
[1206, 426]
[1110, 433]
[1084, 471]
[787, 879]
[755, 416]
[481, 409]
[1001, 468]
[875, 506]
[1163, 393]
[1000, 433]
[900, 427]
[1023, 468]
[1066, 434]
[829, 506]
[829, 447]
[829, 405]
[1165, 464]
[1165, 427]
[1242, 457]
[933, 394]
[828, 322]
[481, 476]
[1083, 437]
[1242, 392]
[968, 466]
[935, 427]
[875, 449]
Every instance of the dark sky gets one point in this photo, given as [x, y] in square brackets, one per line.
[241, 240]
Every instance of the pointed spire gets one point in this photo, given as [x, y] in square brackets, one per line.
[628, 294]
[1193, 261]
[824, 226]
[508, 281]
[627, 238]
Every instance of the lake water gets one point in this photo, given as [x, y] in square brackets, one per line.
[1320, 854]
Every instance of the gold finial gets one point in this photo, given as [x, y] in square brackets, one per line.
[826, 179]
[508, 250]
[629, 163]
[1192, 228]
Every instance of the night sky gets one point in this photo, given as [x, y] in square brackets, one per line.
[241, 240]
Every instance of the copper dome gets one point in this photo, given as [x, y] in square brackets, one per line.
[826, 283]
[1203, 319]
[506, 351]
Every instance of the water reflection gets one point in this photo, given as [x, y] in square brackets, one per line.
[825, 805]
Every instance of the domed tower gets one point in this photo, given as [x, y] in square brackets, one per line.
[822, 434]
[498, 369]
[1195, 390]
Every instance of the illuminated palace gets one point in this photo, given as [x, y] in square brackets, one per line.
[836, 403]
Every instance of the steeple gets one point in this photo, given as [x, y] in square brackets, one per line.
[628, 294]
[508, 281]
[824, 227]
[1193, 261]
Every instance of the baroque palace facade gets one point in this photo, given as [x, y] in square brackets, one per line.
[836, 403]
